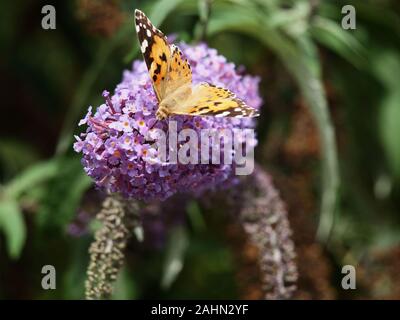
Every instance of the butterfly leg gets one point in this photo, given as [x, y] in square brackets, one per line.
[161, 113]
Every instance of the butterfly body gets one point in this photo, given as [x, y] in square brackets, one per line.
[171, 75]
[173, 102]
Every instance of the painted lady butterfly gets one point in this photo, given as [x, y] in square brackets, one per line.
[172, 80]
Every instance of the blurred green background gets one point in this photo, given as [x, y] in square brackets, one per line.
[341, 187]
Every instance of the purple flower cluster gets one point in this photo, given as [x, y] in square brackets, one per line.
[116, 153]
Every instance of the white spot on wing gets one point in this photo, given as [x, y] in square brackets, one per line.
[148, 33]
[144, 46]
[223, 114]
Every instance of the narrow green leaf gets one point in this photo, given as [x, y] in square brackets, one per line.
[176, 248]
[344, 43]
[195, 216]
[16, 155]
[73, 196]
[31, 177]
[13, 226]
[59, 204]
[390, 131]
[381, 14]
[387, 70]
[291, 19]
[299, 57]
[125, 286]
[86, 83]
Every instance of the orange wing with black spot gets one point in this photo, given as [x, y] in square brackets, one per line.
[156, 52]
[209, 100]
[172, 77]
[179, 71]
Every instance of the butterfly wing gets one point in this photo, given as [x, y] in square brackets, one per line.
[172, 77]
[156, 52]
[209, 100]
[179, 72]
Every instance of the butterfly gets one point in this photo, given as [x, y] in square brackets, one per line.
[171, 76]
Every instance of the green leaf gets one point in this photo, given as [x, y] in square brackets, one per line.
[16, 155]
[196, 218]
[343, 42]
[125, 286]
[384, 15]
[176, 248]
[390, 131]
[13, 226]
[293, 20]
[85, 85]
[31, 177]
[64, 193]
[299, 56]
[73, 196]
[387, 70]
[74, 276]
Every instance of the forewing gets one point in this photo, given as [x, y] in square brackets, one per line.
[179, 72]
[156, 52]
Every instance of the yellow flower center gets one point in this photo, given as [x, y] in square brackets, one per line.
[117, 154]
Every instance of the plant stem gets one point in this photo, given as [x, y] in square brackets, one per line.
[201, 28]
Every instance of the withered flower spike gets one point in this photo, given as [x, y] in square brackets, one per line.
[264, 218]
[118, 217]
